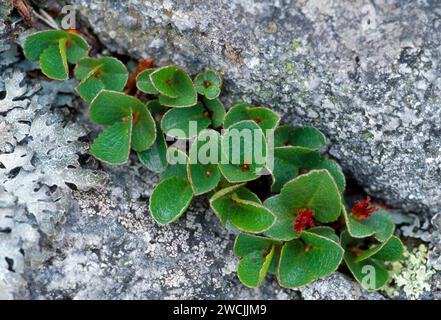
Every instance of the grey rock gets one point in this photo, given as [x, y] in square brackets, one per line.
[337, 287]
[112, 249]
[366, 73]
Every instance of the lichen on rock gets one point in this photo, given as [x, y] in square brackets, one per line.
[39, 157]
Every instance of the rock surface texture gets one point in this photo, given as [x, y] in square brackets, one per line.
[368, 74]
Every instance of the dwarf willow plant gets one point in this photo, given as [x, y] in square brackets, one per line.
[299, 230]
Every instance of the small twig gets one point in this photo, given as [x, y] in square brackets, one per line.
[24, 11]
[46, 18]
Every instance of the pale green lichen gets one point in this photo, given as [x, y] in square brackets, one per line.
[412, 274]
[296, 44]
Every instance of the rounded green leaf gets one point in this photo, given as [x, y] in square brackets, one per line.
[217, 111]
[179, 102]
[244, 152]
[36, 43]
[184, 123]
[257, 256]
[202, 169]
[144, 127]
[177, 164]
[155, 157]
[144, 84]
[169, 200]
[290, 161]
[264, 117]
[283, 228]
[53, 61]
[77, 48]
[391, 251]
[222, 202]
[253, 267]
[90, 87]
[113, 144]
[109, 107]
[247, 243]
[324, 231]
[307, 259]
[156, 108]
[308, 137]
[175, 87]
[96, 74]
[371, 274]
[250, 216]
[208, 84]
[316, 191]
[379, 224]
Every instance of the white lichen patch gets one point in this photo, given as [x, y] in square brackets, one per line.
[39, 157]
[412, 275]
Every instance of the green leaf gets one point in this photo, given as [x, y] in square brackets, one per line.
[367, 264]
[391, 251]
[177, 164]
[253, 268]
[316, 191]
[53, 61]
[244, 152]
[202, 169]
[175, 87]
[77, 48]
[208, 84]
[307, 259]
[247, 243]
[184, 123]
[242, 208]
[217, 111]
[324, 231]
[144, 128]
[144, 84]
[109, 107]
[96, 74]
[179, 102]
[257, 253]
[37, 43]
[156, 108]
[379, 224]
[90, 87]
[371, 274]
[264, 117]
[155, 158]
[250, 216]
[113, 144]
[290, 161]
[274, 265]
[169, 200]
[308, 137]
[335, 170]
